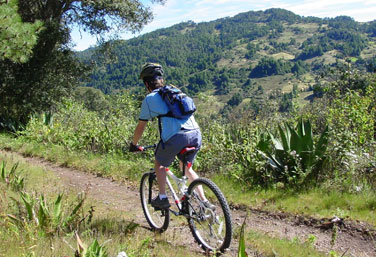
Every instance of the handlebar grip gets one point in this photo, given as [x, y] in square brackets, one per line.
[149, 146]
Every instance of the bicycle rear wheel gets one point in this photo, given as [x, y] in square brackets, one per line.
[157, 219]
[211, 227]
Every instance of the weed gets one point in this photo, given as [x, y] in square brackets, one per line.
[311, 240]
[333, 254]
[11, 178]
[93, 250]
[241, 248]
[50, 217]
[334, 235]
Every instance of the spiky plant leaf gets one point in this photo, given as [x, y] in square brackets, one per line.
[57, 212]
[322, 143]
[29, 205]
[241, 249]
[285, 137]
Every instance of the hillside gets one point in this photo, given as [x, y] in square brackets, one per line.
[248, 53]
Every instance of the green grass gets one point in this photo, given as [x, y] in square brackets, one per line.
[113, 228]
[273, 246]
[315, 202]
[119, 232]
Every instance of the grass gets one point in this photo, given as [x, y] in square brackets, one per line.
[113, 228]
[315, 202]
[118, 231]
[273, 246]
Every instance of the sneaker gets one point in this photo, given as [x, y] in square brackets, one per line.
[208, 205]
[160, 203]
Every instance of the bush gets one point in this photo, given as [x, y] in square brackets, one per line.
[77, 128]
[295, 159]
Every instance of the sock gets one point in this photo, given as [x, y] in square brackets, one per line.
[162, 196]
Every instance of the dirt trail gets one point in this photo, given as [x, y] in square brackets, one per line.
[353, 238]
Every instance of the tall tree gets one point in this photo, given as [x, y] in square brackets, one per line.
[52, 70]
[17, 38]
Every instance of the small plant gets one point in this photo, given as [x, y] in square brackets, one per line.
[11, 178]
[295, 157]
[311, 240]
[334, 235]
[333, 254]
[93, 250]
[50, 217]
[241, 249]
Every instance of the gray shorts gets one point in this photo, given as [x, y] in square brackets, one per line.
[165, 152]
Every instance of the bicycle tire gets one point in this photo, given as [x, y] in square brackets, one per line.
[157, 219]
[211, 229]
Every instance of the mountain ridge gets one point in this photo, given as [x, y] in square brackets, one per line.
[237, 53]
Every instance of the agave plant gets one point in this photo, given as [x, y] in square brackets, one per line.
[11, 178]
[93, 250]
[241, 248]
[49, 216]
[294, 156]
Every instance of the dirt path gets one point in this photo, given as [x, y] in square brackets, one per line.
[353, 238]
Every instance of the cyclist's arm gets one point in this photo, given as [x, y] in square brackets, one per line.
[139, 131]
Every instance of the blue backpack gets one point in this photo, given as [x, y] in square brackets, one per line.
[179, 104]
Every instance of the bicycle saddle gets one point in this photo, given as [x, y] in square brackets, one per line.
[187, 150]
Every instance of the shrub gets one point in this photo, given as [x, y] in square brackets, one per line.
[295, 158]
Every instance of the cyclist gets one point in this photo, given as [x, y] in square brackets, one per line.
[175, 135]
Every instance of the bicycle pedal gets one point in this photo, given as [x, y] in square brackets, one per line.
[162, 210]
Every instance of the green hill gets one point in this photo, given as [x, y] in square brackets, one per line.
[252, 51]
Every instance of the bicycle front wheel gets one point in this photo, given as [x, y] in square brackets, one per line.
[210, 224]
[157, 219]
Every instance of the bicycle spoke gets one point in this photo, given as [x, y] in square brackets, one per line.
[157, 219]
[209, 223]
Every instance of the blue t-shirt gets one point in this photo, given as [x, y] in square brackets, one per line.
[153, 106]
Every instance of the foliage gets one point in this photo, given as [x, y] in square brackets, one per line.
[311, 51]
[77, 128]
[197, 56]
[93, 99]
[93, 250]
[17, 38]
[49, 217]
[269, 66]
[52, 70]
[295, 158]
[241, 248]
[15, 181]
[352, 147]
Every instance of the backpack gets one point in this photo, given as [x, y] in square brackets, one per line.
[179, 104]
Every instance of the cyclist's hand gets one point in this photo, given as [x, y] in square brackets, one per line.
[135, 148]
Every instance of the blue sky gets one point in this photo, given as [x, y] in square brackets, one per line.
[176, 11]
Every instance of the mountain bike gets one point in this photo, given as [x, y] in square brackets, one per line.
[211, 226]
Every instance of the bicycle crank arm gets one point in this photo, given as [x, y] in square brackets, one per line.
[175, 212]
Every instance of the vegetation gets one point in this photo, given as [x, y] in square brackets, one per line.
[271, 146]
[295, 157]
[42, 68]
[201, 57]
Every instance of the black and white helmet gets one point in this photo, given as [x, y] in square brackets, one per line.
[151, 70]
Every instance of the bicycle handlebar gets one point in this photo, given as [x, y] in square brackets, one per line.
[150, 147]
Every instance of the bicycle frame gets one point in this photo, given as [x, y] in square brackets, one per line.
[201, 202]
[182, 186]
[180, 182]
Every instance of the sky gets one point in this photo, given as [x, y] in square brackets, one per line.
[177, 11]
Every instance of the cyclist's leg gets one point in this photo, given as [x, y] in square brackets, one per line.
[192, 175]
[160, 171]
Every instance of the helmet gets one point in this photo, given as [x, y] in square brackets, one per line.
[150, 70]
